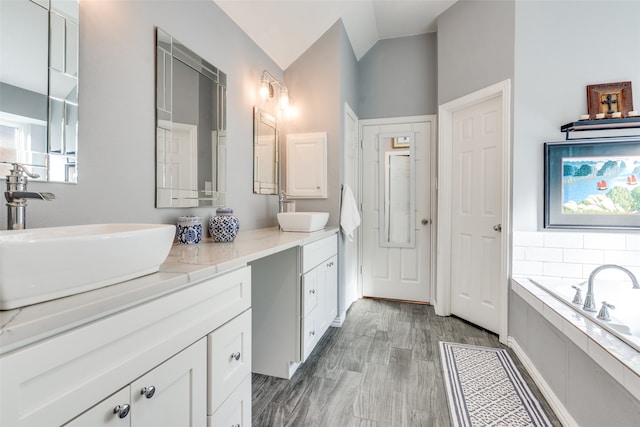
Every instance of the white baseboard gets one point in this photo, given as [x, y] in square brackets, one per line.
[338, 321]
[558, 408]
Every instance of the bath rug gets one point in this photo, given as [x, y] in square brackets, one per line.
[484, 388]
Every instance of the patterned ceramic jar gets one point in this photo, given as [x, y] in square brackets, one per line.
[189, 230]
[224, 226]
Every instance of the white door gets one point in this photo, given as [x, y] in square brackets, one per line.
[350, 261]
[401, 272]
[476, 213]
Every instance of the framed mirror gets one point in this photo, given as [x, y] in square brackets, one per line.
[265, 153]
[397, 208]
[191, 135]
[39, 87]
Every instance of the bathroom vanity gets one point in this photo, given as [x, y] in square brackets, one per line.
[170, 348]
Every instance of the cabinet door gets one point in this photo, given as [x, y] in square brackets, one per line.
[306, 165]
[309, 292]
[236, 410]
[331, 289]
[114, 411]
[229, 353]
[174, 393]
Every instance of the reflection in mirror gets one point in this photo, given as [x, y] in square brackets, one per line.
[397, 190]
[265, 153]
[190, 127]
[39, 87]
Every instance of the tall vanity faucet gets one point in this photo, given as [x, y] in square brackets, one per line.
[17, 196]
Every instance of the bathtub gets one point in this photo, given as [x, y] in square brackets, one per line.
[625, 318]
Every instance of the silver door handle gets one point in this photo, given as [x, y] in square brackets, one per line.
[425, 221]
[497, 227]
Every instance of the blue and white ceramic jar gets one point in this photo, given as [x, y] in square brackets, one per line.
[189, 230]
[224, 226]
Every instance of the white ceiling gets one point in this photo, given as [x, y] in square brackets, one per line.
[284, 29]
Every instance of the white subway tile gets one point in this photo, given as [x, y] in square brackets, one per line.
[583, 256]
[543, 254]
[527, 268]
[527, 238]
[625, 258]
[517, 253]
[604, 241]
[563, 240]
[633, 242]
[560, 269]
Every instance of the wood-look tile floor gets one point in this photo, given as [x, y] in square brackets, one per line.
[381, 368]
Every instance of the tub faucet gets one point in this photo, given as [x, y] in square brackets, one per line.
[17, 196]
[589, 301]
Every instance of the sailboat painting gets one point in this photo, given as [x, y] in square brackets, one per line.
[601, 185]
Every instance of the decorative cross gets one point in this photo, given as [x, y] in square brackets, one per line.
[609, 103]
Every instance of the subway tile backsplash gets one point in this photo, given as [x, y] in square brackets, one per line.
[573, 255]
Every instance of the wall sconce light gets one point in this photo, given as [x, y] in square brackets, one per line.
[267, 81]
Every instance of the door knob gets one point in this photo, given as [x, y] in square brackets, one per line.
[425, 221]
[497, 227]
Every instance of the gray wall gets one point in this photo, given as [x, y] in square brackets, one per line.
[588, 392]
[398, 77]
[314, 84]
[117, 114]
[558, 53]
[475, 46]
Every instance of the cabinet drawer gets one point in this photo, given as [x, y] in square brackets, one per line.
[318, 251]
[236, 410]
[229, 353]
[310, 333]
[309, 292]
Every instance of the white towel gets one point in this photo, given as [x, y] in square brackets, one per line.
[349, 215]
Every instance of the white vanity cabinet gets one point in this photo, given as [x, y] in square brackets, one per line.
[161, 342]
[319, 291]
[169, 395]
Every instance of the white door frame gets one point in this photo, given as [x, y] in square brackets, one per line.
[433, 120]
[445, 138]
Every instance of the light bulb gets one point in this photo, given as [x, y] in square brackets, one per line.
[264, 89]
[284, 98]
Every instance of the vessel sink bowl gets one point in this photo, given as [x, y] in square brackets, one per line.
[41, 264]
[302, 221]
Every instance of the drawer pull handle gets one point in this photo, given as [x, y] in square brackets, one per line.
[312, 291]
[235, 355]
[122, 410]
[236, 425]
[312, 333]
[148, 392]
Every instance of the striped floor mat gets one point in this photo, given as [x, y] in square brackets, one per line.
[484, 388]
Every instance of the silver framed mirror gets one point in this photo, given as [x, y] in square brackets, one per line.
[39, 85]
[191, 134]
[397, 204]
[265, 153]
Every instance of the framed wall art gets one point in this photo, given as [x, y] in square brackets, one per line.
[592, 184]
[609, 98]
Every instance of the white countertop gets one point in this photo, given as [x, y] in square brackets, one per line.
[185, 266]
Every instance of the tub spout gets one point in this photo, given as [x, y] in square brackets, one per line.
[589, 301]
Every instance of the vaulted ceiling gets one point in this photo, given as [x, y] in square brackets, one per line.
[284, 29]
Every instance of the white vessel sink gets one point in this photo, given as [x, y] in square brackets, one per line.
[41, 264]
[302, 221]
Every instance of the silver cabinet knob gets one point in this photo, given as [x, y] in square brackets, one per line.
[148, 392]
[312, 291]
[236, 425]
[122, 410]
[497, 227]
[235, 355]
[312, 333]
[425, 221]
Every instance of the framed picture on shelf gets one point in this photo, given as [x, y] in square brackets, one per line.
[609, 98]
[400, 142]
[592, 184]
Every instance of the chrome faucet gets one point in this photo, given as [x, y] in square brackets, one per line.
[589, 301]
[17, 196]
